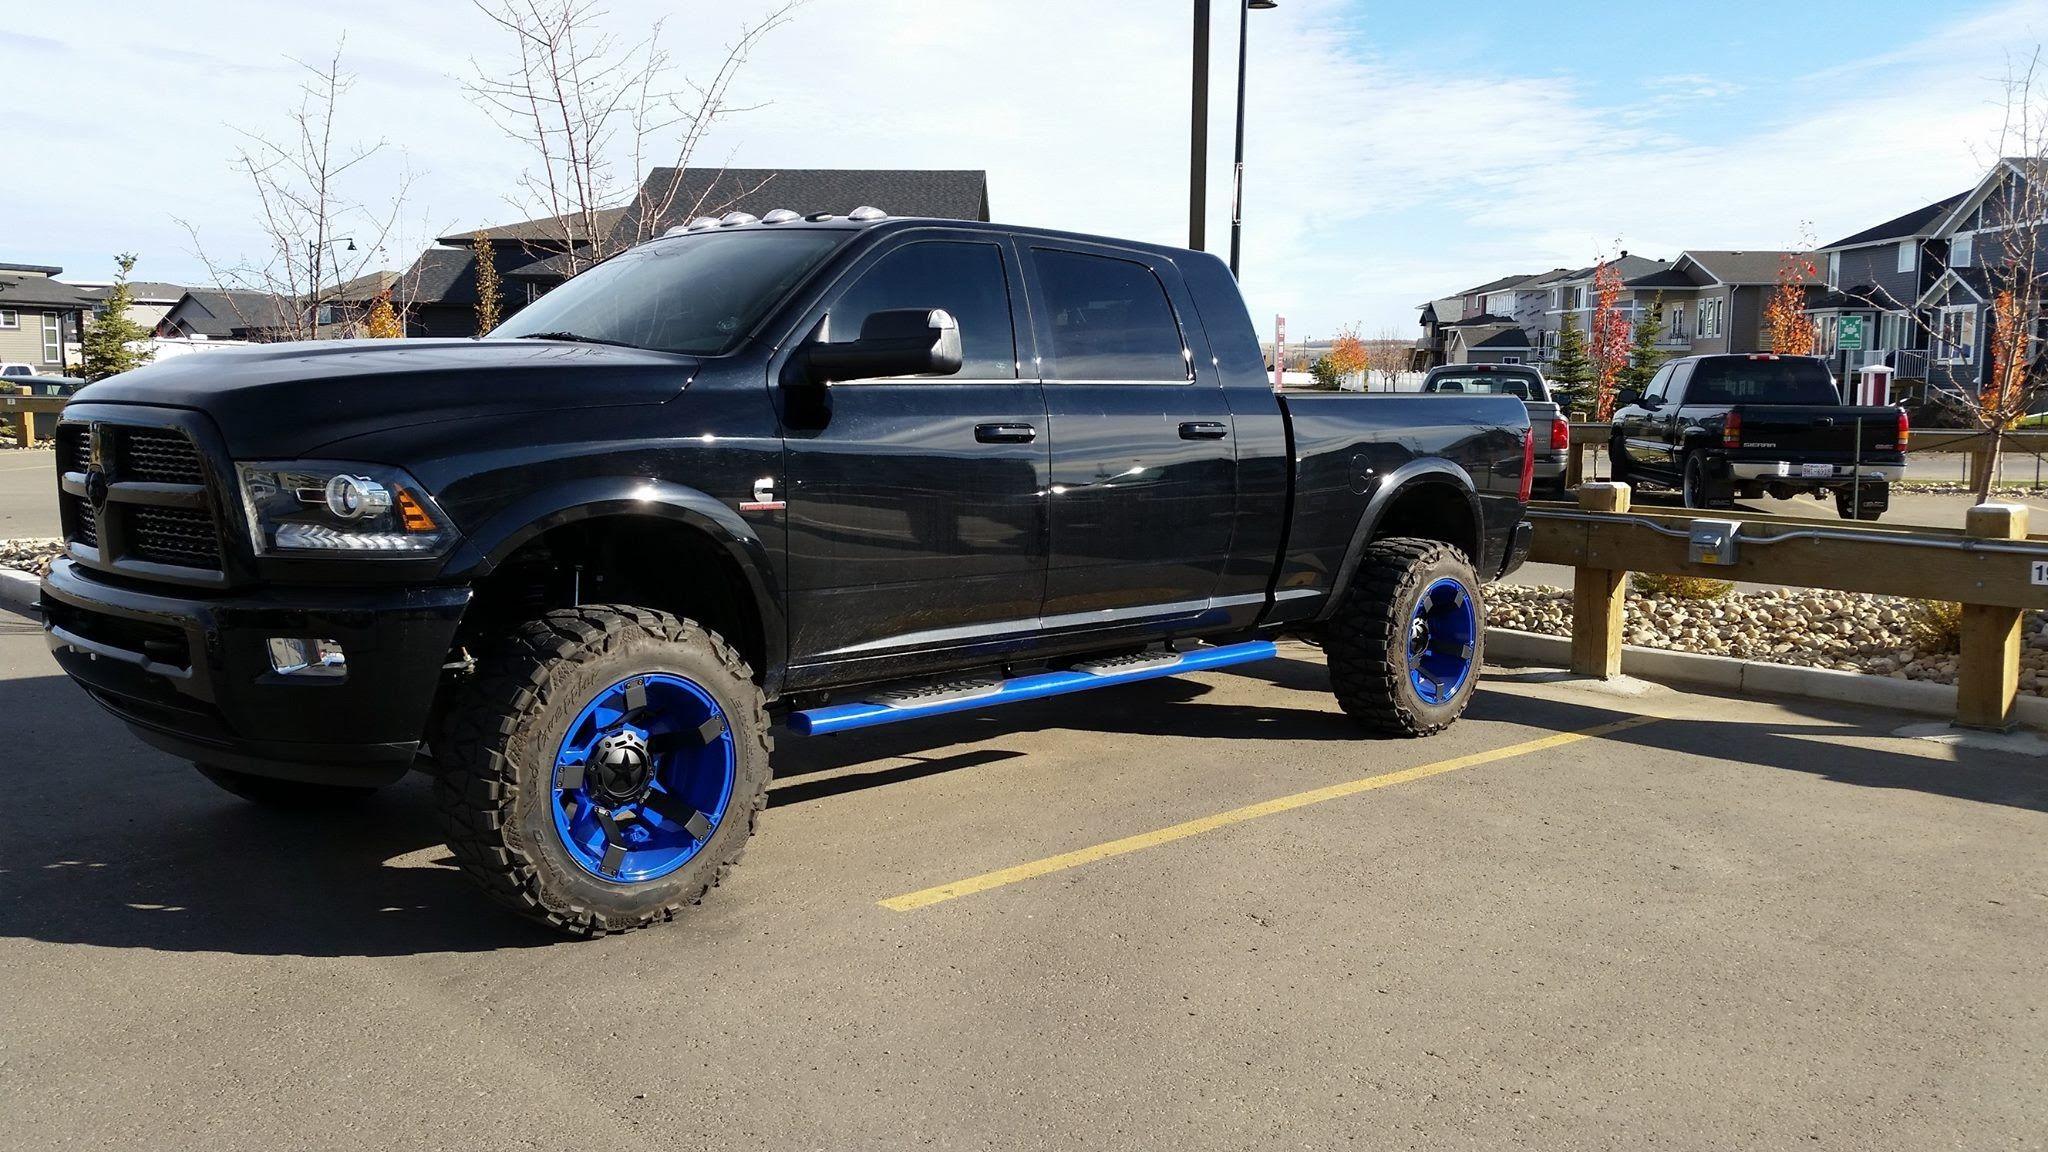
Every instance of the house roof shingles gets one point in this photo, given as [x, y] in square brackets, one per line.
[1904, 227]
[43, 292]
[1742, 267]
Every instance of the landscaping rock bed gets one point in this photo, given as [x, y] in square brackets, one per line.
[1956, 488]
[29, 555]
[1846, 631]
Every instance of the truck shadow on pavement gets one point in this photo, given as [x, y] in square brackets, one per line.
[105, 842]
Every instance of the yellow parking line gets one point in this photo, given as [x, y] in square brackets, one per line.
[926, 897]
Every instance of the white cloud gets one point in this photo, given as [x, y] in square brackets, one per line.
[1375, 177]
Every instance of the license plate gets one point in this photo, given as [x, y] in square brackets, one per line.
[1816, 471]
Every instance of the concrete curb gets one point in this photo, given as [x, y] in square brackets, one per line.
[1511, 647]
[18, 589]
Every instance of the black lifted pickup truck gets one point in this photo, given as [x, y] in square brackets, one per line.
[823, 471]
[1716, 427]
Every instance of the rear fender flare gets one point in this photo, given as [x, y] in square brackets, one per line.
[1395, 484]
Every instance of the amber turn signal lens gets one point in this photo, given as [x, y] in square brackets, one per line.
[415, 517]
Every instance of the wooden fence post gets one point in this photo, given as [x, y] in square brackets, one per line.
[1599, 597]
[1988, 672]
[1574, 463]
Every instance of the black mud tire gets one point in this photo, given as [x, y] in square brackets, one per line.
[294, 795]
[1618, 468]
[493, 791]
[1366, 642]
[1695, 488]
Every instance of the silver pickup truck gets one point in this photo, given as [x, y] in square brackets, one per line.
[1550, 430]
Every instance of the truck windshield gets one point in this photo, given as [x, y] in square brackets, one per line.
[1740, 380]
[697, 294]
[1487, 383]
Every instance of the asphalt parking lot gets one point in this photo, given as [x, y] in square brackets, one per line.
[1741, 924]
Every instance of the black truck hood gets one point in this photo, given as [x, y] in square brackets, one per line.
[284, 400]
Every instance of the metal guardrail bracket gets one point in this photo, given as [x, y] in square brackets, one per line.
[1713, 541]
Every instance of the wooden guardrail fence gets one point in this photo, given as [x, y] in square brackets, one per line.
[1992, 567]
[21, 411]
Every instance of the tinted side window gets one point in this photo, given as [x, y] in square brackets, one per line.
[963, 277]
[1674, 388]
[1660, 382]
[1110, 319]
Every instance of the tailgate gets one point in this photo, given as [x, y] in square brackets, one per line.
[1799, 430]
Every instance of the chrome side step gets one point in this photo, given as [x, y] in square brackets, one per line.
[893, 708]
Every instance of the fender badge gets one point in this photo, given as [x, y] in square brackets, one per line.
[764, 497]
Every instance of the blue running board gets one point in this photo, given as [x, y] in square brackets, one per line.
[867, 714]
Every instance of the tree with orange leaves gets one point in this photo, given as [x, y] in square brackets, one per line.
[1348, 354]
[1787, 329]
[1609, 346]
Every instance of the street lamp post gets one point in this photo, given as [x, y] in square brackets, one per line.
[1237, 170]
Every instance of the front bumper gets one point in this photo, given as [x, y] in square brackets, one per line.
[1792, 473]
[191, 674]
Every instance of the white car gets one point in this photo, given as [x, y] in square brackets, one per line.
[16, 368]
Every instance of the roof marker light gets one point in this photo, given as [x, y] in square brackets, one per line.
[703, 222]
[678, 230]
[867, 212]
[780, 216]
[735, 219]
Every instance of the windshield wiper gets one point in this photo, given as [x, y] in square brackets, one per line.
[578, 338]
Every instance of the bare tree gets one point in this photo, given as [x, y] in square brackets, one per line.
[598, 114]
[2011, 255]
[317, 234]
[1390, 357]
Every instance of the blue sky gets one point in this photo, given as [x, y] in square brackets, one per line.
[1397, 151]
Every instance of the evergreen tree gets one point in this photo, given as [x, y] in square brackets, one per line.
[107, 342]
[1571, 371]
[1644, 358]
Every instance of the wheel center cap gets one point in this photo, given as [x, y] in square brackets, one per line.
[620, 769]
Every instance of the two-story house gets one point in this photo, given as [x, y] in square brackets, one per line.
[1572, 292]
[1980, 252]
[40, 317]
[1713, 300]
[1877, 277]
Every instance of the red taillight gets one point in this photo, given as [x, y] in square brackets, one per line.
[1905, 429]
[1731, 431]
[1528, 465]
[1560, 434]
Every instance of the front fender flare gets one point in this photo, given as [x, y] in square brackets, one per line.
[501, 534]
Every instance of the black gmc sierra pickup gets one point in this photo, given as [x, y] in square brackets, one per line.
[822, 471]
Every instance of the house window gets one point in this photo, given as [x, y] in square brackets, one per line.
[9, 318]
[1834, 270]
[1957, 327]
[1965, 247]
[1893, 332]
[1825, 329]
[1710, 318]
[1511, 359]
[1678, 322]
[1908, 255]
[53, 338]
[326, 314]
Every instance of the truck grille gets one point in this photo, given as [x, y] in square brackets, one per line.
[157, 456]
[179, 536]
[169, 522]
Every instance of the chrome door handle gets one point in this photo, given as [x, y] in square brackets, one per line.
[1204, 430]
[1005, 433]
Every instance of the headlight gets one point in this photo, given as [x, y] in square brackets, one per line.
[319, 506]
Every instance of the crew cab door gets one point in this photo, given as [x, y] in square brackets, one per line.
[1647, 430]
[916, 512]
[1144, 465]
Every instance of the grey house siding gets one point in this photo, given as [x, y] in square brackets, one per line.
[1961, 377]
[1746, 319]
[1877, 266]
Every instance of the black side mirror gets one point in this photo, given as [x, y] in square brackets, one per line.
[1628, 397]
[896, 342]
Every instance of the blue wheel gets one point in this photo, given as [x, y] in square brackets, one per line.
[604, 768]
[1405, 643]
[643, 777]
[1443, 640]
